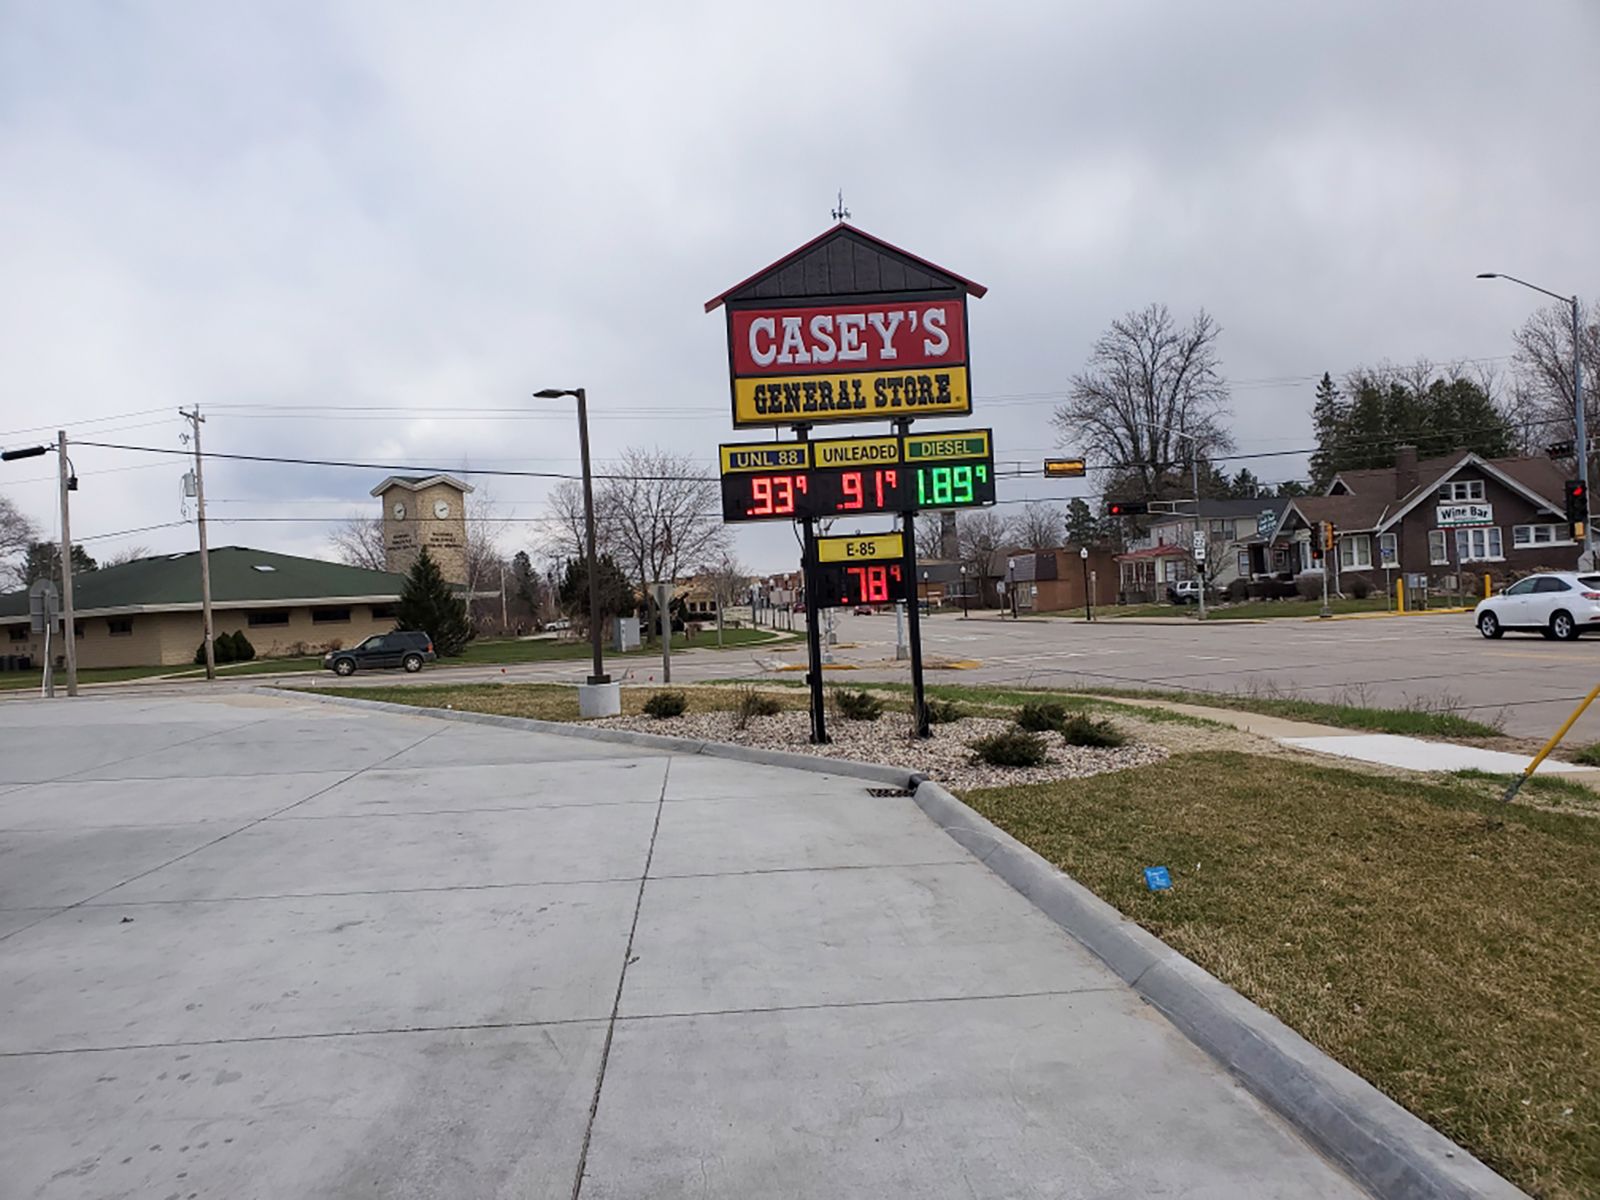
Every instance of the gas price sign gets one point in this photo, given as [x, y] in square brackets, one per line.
[864, 569]
[855, 476]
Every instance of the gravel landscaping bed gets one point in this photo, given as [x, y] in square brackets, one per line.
[944, 756]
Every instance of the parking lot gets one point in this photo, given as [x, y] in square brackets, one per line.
[260, 947]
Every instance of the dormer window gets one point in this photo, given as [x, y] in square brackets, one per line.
[1460, 490]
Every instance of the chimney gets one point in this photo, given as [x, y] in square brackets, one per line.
[1405, 471]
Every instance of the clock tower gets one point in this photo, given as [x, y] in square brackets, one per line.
[425, 510]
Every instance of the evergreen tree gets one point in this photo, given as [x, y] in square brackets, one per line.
[1327, 421]
[616, 594]
[1245, 486]
[1289, 489]
[1083, 527]
[427, 603]
[44, 562]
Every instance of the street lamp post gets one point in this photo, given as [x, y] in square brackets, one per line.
[1579, 416]
[1088, 607]
[964, 609]
[598, 679]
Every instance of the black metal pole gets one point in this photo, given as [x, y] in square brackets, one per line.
[908, 534]
[1088, 612]
[599, 674]
[808, 560]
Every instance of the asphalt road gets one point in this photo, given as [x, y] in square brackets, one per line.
[260, 947]
[1527, 683]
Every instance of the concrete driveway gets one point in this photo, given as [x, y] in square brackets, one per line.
[259, 947]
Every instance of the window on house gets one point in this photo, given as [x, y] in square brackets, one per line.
[1388, 549]
[1242, 565]
[1523, 536]
[1478, 545]
[269, 616]
[120, 626]
[330, 616]
[1222, 531]
[1355, 552]
[1458, 490]
[19, 633]
[383, 612]
[1438, 549]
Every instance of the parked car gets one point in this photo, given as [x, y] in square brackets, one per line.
[407, 649]
[1184, 591]
[559, 625]
[865, 610]
[1558, 604]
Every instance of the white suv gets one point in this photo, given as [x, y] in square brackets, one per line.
[1559, 604]
[1185, 591]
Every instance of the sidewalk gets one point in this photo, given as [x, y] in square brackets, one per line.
[267, 947]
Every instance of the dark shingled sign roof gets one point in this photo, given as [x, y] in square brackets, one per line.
[173, 581]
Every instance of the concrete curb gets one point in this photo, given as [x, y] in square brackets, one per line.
[872, 772]
[1379, 1144]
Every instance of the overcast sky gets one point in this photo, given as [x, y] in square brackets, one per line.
[448, 206]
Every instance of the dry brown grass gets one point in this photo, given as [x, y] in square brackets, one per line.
[547, 701]
[1448, 955]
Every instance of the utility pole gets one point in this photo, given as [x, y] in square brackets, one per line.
[195, 421]
[69, 481]
[1194, 469]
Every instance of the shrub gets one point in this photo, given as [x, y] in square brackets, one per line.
[1309, 585]
[857, 706]
[243, 651]
[1010, 748]
[661, 705]
[1039, 716]
[1238, 590]
[751, 704]
[1259, 589]
[1358, 586]
[221, 650]
[942, 712]
[1080, 729]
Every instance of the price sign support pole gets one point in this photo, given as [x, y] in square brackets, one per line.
[808, 570]
[908, 533]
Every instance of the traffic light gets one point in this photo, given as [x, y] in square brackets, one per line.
[1065, 468]
[1577, 507]
[1329, 533]
[1127, 508]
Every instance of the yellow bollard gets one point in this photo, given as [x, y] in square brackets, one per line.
[1488, 589]
[1400, 595]
[1533, 765]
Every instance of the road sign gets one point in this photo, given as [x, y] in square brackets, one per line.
[1199, 546]
[1266, 523]
[44, 604]
[839, 477]
[862, 569]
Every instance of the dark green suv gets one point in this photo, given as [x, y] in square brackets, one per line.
[403, 648]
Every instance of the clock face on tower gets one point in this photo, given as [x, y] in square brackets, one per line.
[441, 509]
[399, 510]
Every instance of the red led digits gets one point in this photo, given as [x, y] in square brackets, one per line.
[855, 496]
[872, 583]
[774, 495]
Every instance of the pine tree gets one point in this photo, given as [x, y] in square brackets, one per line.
[1327, 420]
[1083, 527]
[427, 603]
[616, 593]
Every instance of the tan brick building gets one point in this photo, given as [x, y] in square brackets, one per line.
[425, 510]
[147, 612]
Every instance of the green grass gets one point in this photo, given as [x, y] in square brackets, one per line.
[13, 681]
[505, 651]
[1589, 756]
[1443, 947]
[1421, 721]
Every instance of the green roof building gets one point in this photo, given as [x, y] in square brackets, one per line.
[147, 612]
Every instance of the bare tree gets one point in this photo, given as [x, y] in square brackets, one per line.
[984, 534]
[930, 538]
[1148, 380]
[1040, 526]
[563, 534]
[484, 527]
[729, 583]
[17, 533]
[127, 554]
[662, 512]
[359, 543]
[1542, 370]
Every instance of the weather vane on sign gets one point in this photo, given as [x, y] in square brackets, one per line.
[841, 213]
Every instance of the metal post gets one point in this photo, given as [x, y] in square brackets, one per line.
[598, 675]
[663, 597]
[908, 566]
[1194, 467]
[808, 559]
[1582, 422]
[1088, 609]
[505, 620]
[207, 628]
[69, 628]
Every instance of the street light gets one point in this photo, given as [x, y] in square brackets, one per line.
[1083, 557]
[1577, 382]
[963, 591]
[598, 676]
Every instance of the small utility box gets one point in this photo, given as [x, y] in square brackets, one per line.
[625, 634]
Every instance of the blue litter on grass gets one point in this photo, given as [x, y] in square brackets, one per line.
[1158, 879]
